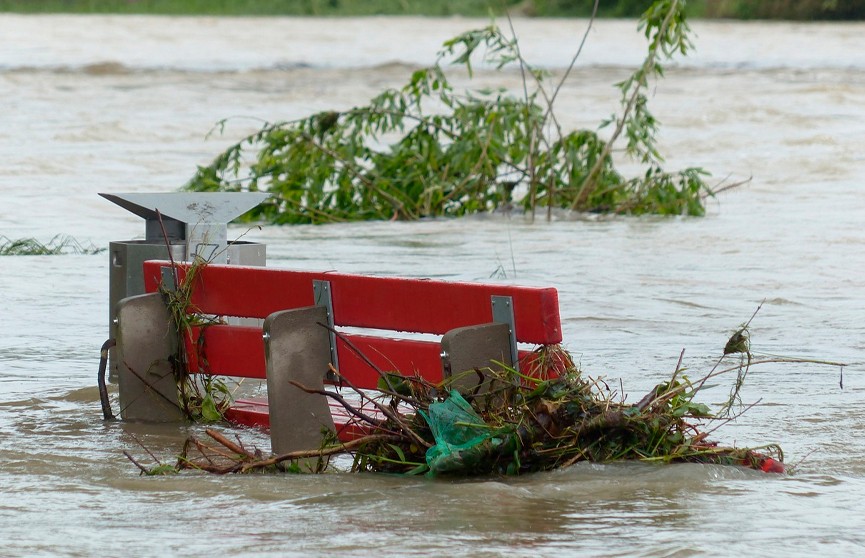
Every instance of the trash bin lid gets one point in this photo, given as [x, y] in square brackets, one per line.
[189, 207]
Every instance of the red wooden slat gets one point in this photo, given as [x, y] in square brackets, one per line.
[239, 351]
[249, 412]
[254, 413]
[232, 350]
[228, 350]
[405, 356]
[398, 304]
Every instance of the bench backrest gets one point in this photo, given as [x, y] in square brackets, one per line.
[357, 301]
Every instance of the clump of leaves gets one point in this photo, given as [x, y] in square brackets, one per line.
[58, 245]
[457, 153]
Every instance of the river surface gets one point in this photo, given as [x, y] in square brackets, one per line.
[124, 104]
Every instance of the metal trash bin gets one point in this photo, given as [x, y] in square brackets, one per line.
[194, 224]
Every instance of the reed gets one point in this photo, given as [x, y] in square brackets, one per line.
[202, 397]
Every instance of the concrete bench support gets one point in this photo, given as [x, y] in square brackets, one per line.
[145, 343]
[466, 349]
[297, 348]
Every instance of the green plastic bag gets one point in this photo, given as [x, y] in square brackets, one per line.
[456, 428]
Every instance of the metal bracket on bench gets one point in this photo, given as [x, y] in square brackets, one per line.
[321, 295]
[503, 312]
[169, 277]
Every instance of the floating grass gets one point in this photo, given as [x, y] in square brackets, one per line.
[59, 245]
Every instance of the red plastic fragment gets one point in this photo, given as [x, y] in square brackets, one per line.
[770, 465]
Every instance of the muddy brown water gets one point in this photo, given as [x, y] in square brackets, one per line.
[119, 104]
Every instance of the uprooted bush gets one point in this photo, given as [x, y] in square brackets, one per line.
[429, 150]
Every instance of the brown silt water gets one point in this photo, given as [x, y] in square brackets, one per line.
[124, 104]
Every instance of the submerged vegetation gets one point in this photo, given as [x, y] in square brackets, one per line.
[429, 150]
[59, 245]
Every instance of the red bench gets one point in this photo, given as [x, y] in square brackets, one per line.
[472, 324]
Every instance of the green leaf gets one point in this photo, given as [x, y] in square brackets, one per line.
[398, 451]
[162, 469]
[209, 411]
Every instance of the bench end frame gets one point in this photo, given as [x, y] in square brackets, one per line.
[297, 349]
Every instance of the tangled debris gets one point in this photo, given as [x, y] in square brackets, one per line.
[512, 424]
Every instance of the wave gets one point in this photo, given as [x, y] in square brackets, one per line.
[112, 45]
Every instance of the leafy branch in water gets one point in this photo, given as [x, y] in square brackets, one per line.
[454, 153]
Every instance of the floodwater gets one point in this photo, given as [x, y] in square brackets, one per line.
[123, 104]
